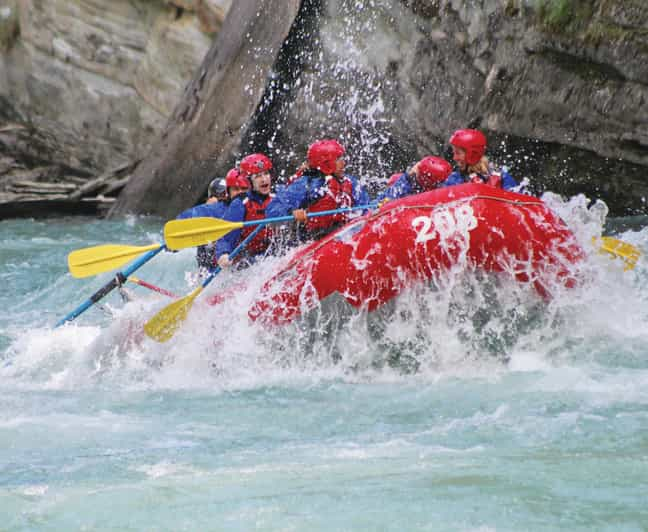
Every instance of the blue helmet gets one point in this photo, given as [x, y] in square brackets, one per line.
[216, 188]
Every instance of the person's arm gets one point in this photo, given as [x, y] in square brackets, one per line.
[189, 213]
[508, 182]
[399, 189]
[291, 198]
[211, 210]
[455, 178]
[225, 245]
[360, 194]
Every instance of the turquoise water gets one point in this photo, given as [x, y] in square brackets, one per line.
[468, 406]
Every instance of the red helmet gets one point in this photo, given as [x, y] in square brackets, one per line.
[393, 179]
[432, 171]
[255, 164]
[235, 179]
[471, 140]
[323, 154]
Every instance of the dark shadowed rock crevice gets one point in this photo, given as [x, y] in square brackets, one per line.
[266, 130]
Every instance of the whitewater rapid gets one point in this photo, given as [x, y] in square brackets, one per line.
[471, 405]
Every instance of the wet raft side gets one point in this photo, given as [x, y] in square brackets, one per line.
[372, 259]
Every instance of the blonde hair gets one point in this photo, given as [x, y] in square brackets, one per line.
[482, 167]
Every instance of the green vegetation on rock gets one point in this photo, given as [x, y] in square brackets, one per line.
[562, 16]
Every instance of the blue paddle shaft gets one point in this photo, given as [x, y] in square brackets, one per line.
[117, 280]
[233, 254]
[121, 276]
[310, 215]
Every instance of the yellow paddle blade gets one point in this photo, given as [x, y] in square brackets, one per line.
[618, 248]
[191, 232]
[165, 323]
[98, 259]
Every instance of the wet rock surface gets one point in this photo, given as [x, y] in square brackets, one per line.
[32, 186]
[560, 88]
[208, 127]
[89, 84]
[561, 94]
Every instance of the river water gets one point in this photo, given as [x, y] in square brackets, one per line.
[472, 407]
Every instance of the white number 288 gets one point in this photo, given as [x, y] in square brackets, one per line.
[444, 223]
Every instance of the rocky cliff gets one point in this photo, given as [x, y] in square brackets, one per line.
[218, 108]
[101, 77]
[561, 88]
[86, 85]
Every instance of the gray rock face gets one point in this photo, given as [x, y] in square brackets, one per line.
[207, 129]
[101, 77]
[394, 79]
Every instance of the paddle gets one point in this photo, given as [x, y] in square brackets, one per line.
[99, 259]
[165, 323]
[191, 232]
[136, 280]
[618, 248]
[116, 281]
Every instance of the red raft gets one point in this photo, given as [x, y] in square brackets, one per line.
[373, 258]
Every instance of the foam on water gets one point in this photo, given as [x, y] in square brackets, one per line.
[466, 404]
[463, 324]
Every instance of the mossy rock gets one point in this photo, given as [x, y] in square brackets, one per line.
[565, 16]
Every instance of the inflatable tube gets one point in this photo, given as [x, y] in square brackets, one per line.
[373, 258]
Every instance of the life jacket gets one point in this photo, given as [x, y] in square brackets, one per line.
[494, 179]
[337, 195]
[256, 211]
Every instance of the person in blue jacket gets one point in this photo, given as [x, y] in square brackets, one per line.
[322, 186]
[472, 166]
[220, 194]
[248, 207]
[216, 194]
[425, 175]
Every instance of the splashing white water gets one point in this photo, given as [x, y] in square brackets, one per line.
[463, 323]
